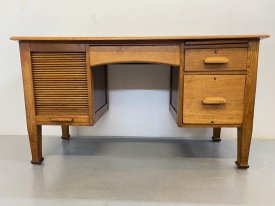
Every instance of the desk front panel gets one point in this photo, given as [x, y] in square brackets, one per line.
[70, 80]
[110, 54]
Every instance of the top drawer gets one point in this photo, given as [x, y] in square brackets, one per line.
[215, 59]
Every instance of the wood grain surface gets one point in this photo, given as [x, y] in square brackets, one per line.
[101, 38]
[199, 87]
[100, 55]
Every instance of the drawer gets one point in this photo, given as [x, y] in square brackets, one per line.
[167, 54]
[215, 59]
[64, 120]
[213, 99]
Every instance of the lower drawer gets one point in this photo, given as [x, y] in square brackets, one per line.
[213, 99]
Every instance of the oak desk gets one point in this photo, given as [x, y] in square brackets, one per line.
[213, 81]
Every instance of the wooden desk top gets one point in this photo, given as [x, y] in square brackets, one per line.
[114, 38]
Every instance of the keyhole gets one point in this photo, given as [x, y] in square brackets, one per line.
[215, 51]
[214, 78]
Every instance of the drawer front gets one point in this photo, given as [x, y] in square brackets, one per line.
[216, 59]
[169, 54]
[213, 99]
[64, 120]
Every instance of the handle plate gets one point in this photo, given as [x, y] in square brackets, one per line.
[62, 119]
[216, 60]
[214, 101]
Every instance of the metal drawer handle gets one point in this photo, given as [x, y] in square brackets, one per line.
[216, 60]
[214, 101]
[62, 119]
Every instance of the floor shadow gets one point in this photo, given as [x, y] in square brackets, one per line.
[142, 146]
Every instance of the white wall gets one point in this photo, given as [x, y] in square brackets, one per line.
[138, 106]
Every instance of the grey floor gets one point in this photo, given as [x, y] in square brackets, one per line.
[135, 171]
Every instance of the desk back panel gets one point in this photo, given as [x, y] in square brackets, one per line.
[100, 90]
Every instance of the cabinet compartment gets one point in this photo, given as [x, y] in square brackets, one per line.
[60, 87]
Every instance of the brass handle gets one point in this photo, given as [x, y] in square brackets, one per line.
[62, 119]
[216, 60]
[214, 101]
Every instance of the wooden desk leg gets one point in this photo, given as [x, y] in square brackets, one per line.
[65, 132]
[35, 138]
[245, 132]
[34, 130]
[243, 147]
[216, 134]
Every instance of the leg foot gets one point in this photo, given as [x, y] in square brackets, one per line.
[65, 132]
[215, 139]
[37, 162]
[216, 134]
[243, 147]
[241, 166]
[35, 138]
[66, 137]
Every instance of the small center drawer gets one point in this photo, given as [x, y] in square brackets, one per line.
[163, 54]
[213, 99]
[215, 59]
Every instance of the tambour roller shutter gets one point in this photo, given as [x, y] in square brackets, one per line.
[60, 83]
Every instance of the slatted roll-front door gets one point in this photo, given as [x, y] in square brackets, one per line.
[60, 86]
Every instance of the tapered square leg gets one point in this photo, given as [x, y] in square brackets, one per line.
[65, 132]
[216, 134]
[35, 139]
[245, 131]
[243, 147]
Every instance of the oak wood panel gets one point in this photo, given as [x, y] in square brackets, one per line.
[57, 47]
[90, 88]
[217, 42]
[174, 88]
[191, 125]
[111, 38]
[195, 59]
[51, 119]
[198, 87]
[100, 86]
[218, 72]
[181, 85]
[169, 54]
[245, 132]
[216, 46]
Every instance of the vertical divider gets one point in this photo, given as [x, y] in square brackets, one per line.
[181, 86]
[90, 86]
